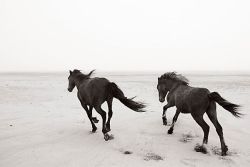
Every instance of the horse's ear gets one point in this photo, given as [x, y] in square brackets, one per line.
[70, 72]
[158, 78]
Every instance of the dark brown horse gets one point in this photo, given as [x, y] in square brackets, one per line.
[93, 92]
[196, 101]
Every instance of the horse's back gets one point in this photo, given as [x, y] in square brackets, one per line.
[98, 82]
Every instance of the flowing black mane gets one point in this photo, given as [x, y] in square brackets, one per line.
[79, 75]
[176, 77]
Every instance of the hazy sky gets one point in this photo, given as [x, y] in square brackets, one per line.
[141, 35]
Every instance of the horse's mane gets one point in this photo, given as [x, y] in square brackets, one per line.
[176, 77]
[79, 75]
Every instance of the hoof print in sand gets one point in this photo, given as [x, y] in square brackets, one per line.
[189, 162]
[152, 156]
[186, 138]
[127, 152]
[217, 151]
[111, 137]
[200, 148]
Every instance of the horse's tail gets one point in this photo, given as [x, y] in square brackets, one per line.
[129, 102]
[232, 108]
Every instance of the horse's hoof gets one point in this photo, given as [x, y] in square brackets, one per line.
[106, 137]
[94, 130]
[224, 151]
[95, 120]
[200, 148]
[165, 123]
[170, 131]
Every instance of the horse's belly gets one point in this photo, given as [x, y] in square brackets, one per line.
[183, 108]
[185, 111]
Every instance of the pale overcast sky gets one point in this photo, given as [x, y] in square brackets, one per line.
[114, 35]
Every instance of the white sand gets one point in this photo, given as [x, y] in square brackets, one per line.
[42, 124]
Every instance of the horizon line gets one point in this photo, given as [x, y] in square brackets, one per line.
[215, 72]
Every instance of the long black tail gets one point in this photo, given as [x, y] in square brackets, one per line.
[232, 108]
[129, 102]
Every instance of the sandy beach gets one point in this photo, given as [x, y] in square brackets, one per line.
[42, 124]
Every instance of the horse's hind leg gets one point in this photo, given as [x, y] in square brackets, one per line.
[170, 131]
[110, 113]
[89, 113]
[103, 114]
[211, 112]
[199, 119]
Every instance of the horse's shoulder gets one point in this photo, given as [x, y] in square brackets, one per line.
[79, 95]
[183, 89]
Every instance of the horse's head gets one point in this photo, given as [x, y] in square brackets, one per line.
[76, 77]
[162, 89]
[71, 79]
[167, 81]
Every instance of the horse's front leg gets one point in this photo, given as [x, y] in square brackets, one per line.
[164, 119]
[170, 131]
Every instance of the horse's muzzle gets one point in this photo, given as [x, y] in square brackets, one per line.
[161, 100]
[70, 90]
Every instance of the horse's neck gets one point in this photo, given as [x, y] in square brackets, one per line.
[80, 82]
[174, 87]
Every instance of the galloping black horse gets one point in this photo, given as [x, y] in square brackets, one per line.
[93, 92]
[196, 101]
